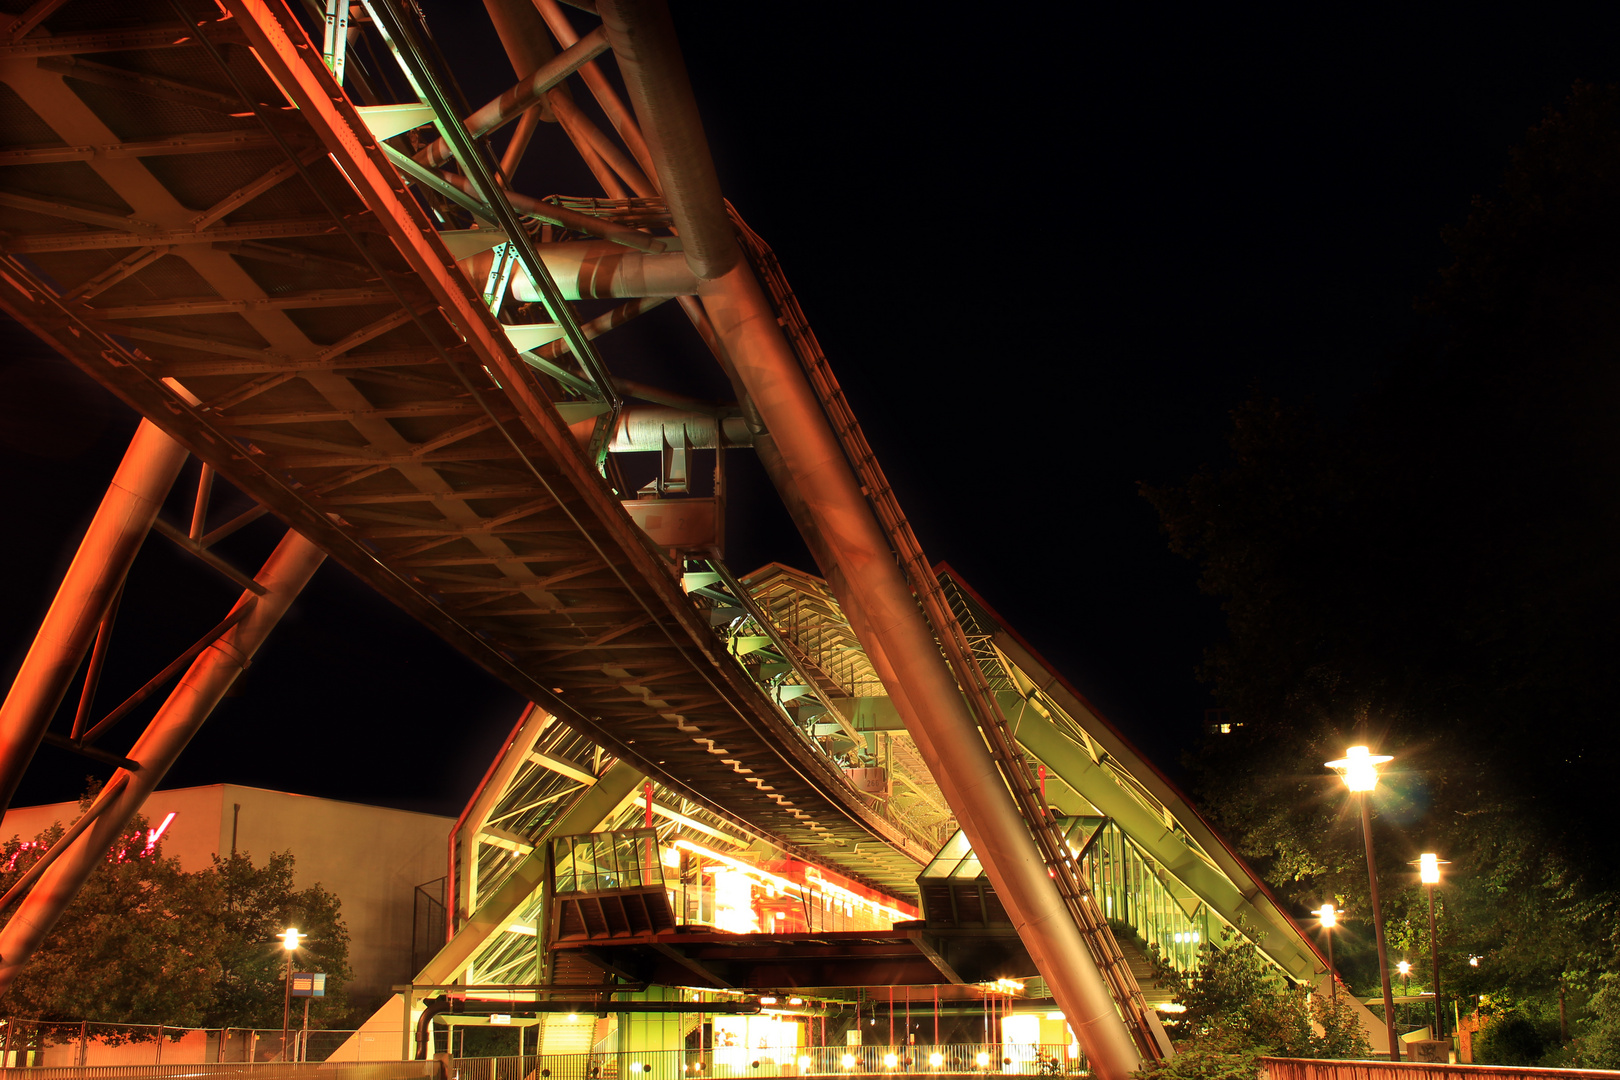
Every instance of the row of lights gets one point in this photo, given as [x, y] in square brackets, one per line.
[890, 1061]
[1359, 768]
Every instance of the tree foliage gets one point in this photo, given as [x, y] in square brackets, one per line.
[139, 945]
[1236, 1001]
[145, 942]
[261, 902]
[1436, 573]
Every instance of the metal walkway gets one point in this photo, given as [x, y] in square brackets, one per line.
[343, 311]
[248, 272]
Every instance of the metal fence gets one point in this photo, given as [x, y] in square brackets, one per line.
[1301, 1069]
[377, 1070]
[40, 1044]
[723, 1063]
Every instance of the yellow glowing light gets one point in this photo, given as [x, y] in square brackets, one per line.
[1429, 868]
[1473, 961]
[847, 1061]
[763, 876]
[804, 1063]
[1404, 968]
[1329, 917]
[890, 1061]
[767, 1001]
[289, 939]
[936, 1060]
[1359, 767]
[670, 857]
[982, 1060]
[795, 1001]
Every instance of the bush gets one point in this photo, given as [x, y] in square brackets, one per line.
[1236, 1001]
[1209, 1059]
[1600, 1049]
[1513, 1039]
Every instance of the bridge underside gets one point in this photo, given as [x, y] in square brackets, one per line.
[908, 956]
[339, 310]
[226, 246]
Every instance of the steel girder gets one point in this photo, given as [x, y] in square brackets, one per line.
[343, 372]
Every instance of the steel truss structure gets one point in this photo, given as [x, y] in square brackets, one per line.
[282, 237]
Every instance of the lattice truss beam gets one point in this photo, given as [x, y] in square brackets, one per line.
[194, 212]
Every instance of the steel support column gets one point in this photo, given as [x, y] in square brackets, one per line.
[284, 574]
[127, 511]
[946, 732]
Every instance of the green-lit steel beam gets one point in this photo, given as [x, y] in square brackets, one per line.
[495, 912]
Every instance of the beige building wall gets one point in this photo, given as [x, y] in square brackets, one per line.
[371, 857]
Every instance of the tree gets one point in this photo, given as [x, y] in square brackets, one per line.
[1235, 1001]
[140, 944]
[259, 903]
[1436, 573]
[145, 942]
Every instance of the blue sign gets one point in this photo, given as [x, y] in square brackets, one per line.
[308, 984]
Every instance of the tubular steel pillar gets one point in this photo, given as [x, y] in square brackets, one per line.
[284, 574]
[945, 731]
[127, 511]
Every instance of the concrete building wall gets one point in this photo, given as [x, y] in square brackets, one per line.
[370, 856]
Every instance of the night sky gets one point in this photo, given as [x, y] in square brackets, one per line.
[1046, 256]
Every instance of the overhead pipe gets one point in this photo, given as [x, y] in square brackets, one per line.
[127, 511]
[593, 270]
[646, 428]
[945, 731]
[643, 39]
[284, 575]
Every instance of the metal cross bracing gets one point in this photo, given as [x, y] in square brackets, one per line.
[355, 318]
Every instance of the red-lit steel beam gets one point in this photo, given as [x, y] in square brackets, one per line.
[945, 731]
[522, 97]
[619, 116]
[284, 575]
[127, 511]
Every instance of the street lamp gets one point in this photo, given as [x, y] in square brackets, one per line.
[1359, 767]
[289, 944]
[1329, 918]
[1405, 969]
[1429, 865]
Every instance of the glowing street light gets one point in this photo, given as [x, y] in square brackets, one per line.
[1429, 865]
[1329, 918]
[289, 944]
[1359, 767]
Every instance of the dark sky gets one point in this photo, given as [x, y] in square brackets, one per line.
[1046, 254]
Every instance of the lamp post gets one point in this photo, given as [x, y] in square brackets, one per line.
[1329, 918]
[1359, 767]
[289, 945]
[1429, 865]
[1405, 969]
